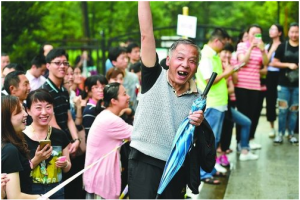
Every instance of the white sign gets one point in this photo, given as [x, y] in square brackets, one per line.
[187, 26]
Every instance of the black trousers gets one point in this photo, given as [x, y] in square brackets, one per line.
[144, 174]
[271, 95]
[74, 189]
[226, 131]
[247, 102]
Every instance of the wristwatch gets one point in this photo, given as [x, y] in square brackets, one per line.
[76, 139]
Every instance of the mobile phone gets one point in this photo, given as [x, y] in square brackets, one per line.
[258, 37]
[62, 158]
[43, 143]
[239, 66]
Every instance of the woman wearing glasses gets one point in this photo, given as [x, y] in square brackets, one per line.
[15, 154]
[93, 90]
[107, 132]
[48, 162]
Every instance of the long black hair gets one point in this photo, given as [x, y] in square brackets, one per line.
[280, 29]
[111, 91]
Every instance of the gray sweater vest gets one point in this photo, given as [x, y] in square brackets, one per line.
[157, 118]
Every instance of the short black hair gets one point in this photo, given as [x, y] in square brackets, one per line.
[228, 47]
[54, 53]
[39, 95]
[218, 33]
[12, 79]
[115, 52]
[293, 24]
[38, 61]
[16, 66]
[132, 46]
[92, 80]
[4, 54]
[136, 67]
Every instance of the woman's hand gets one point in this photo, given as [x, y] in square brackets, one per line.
[4, 180]
[61, 164]
[77, 101]
[41, 154]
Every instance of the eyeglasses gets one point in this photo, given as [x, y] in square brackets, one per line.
[223, 43]
[97, 87]
[66, 64]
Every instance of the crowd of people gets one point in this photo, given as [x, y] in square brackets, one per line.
[136, 109]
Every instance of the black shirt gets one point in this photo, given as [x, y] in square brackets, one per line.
[59, 141]
[150, 75]
[287, 54]
[12, 160]
[58, 138]
[61, 104]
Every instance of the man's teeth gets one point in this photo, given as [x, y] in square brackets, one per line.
[182, 73]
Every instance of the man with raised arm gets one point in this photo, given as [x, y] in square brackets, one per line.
[167, 96]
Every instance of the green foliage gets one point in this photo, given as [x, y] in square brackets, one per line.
[28, 24]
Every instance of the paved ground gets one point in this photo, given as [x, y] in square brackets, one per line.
[275, 175]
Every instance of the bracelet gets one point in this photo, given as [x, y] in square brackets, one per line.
[66, 165]
[79, 117]
[76, 139]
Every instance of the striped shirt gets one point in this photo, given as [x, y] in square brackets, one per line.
[249, 76]
[89, 115]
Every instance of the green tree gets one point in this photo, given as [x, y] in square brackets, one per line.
[27, 25]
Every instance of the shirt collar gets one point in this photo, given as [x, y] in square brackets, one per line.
[210, 50]
[53, 86]
[192, 89]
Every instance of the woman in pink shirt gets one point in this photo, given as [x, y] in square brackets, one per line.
[247, 89]
[107, 132]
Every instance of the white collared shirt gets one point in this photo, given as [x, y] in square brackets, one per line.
[35, 83]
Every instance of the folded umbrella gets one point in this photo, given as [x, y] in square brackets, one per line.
[182, 141]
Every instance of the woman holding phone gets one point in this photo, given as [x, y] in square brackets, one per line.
[14, 151]
[50, 161]
[248, 87]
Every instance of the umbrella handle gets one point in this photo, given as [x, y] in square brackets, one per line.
[209, 84]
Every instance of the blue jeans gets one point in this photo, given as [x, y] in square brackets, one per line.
[215, 119]
[44, 188]
[287, 115]
[245, 123]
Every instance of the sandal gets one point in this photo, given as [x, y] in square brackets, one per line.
[220, 174]
[211, 180]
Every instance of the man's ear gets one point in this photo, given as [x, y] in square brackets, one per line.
[114, 63]
[48, 65]
[168, 60]
[12, 89]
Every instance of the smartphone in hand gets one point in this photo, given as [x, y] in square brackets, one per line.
[236, 68]
[43, 143]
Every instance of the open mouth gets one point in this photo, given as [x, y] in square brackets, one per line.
[44, 119]
[24, 121]
[182, 73]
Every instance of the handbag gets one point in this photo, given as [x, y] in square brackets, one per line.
[291, 75]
